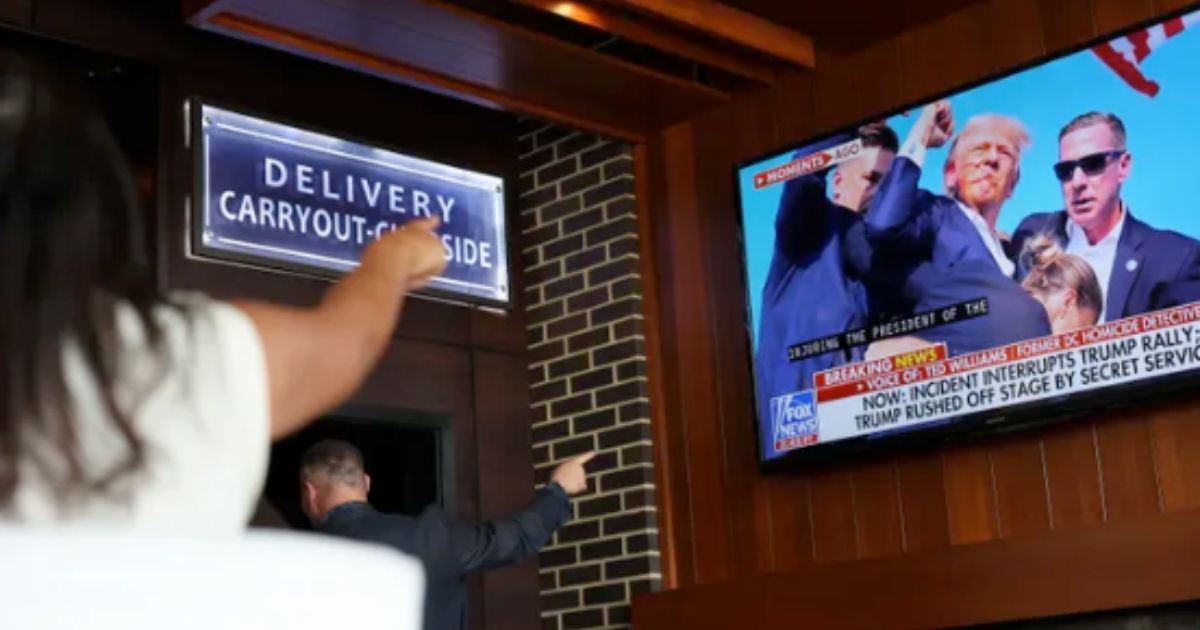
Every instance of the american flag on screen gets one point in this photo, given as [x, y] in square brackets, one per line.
[1126, 54]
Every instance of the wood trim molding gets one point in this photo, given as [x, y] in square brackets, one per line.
[248, 28]
[632, 28]
[1148, 562]
[722, 22]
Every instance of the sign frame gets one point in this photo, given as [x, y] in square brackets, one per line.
[197, 208]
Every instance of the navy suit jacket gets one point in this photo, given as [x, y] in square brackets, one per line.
[1153, 268]
[811, 289]
[449, 550]
[919, 226]
[946, 262]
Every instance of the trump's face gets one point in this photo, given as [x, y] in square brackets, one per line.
[855, 181]
[1092, 168]
[984, 168]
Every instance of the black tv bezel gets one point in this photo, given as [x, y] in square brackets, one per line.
[197, 250]
[980, 425]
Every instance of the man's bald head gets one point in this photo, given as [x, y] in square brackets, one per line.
[331, 473]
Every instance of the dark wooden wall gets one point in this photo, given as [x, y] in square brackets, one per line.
[722, 519]
[464, 364]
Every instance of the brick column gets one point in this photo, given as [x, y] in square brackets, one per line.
[587, 370]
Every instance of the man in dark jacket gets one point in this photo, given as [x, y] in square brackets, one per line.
[334, 497]
[1140, 268]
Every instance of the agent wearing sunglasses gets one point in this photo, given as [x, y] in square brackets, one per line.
[1139, 268]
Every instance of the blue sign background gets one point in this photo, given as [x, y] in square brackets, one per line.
[301, 199]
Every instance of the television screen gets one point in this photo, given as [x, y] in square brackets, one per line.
[1020, 250]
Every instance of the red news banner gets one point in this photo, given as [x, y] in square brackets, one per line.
[808, 164]
[924, 385]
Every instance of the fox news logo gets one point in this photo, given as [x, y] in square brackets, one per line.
[794, 420]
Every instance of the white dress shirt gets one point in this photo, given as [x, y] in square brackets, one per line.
[990, 239]
[1100, 256]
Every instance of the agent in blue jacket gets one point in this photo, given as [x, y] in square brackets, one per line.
[814, 286]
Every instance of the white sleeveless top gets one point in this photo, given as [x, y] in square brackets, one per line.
[203, 417]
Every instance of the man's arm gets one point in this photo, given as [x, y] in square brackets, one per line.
[896, 214]
[317, 357]
[802, 222]
[510, 540]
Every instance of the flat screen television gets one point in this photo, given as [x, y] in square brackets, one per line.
[1009, 254]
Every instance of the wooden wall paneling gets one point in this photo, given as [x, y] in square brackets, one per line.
[1167, 6]
[500, 331]
[505, 456]
[923, 502]
[731, 464]
[753, 118]
[723, 22]
[1065, 23]
[1018, 472]
[834, 531]
[694, 441]
[791, 522]
[1073, 477]
[948, 53]
[864, 83]
[716, 203]
[878, 523]
[670, 481]
[667, 173]
[640, 29]
[1015, 31]
[1102, 568]
[970, 495]
[794, 107]
[1175, 436]
[1112, 15]
[1127, 468]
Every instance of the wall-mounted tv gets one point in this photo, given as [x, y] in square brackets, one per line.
[1008, 254]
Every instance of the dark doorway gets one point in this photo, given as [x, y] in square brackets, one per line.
[403, 461]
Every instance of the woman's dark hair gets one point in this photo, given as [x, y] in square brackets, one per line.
[72, 247]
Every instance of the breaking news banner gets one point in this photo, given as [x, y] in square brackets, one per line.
[885, 330]
[924, 386]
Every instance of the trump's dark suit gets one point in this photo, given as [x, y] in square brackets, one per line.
[946, 262]
[1152, 269]
[919, 226]
[449, 550]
